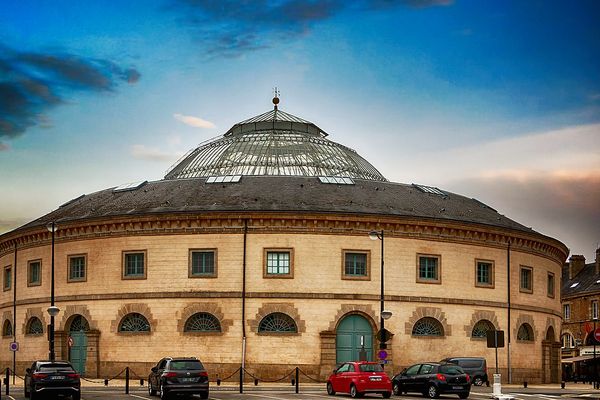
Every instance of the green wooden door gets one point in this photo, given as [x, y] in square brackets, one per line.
[350, 331]
[78, 352]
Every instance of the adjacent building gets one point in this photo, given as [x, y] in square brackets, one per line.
[254, 250]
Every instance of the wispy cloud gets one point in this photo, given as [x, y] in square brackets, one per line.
[4, 146]
[194, 121]
[142, 152]
[229, 28]
[33, 83]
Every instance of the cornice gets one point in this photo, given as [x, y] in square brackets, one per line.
[284, 222]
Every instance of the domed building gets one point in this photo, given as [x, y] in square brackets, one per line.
[254, 250]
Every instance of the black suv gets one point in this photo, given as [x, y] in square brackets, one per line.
[46, 378]
[178, 375]
[474, 366]
[432, 379]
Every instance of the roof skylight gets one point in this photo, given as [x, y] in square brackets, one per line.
[129, 186]
[430, 189]
[224, 179]
[336, 180]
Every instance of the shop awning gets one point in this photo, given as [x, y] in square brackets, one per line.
[578, 358]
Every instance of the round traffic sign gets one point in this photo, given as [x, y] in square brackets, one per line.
[597, 334]
[13, 346]
[382, 354]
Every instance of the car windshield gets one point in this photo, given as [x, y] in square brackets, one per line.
[186, 364]
[56, 368]
[451, 370]
[370, 368]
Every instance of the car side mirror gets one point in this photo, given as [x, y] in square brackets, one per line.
[28, 370]
[335, 371]
[154, 369]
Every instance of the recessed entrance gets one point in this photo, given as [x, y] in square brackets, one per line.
[353, 334]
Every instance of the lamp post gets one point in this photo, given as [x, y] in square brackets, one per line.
[383, 314]
[52, 310]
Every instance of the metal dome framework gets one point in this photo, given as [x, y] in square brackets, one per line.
[273, 143]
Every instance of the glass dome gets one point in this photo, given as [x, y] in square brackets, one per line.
[273, 143]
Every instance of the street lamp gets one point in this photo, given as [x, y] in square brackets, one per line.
[383, 313]
[52, 310]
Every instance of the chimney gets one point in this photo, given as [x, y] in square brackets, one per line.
[598, 261]
[576, 264]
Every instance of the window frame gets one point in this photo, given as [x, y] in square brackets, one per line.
[8, 287]
[522, 289]
[438, 279]
[214, 274]
[85, 267]
[30, 283]
[592, 304]
[266, 251]
[567, 315]
[492, 273]
[367, 276]
[124, 255]
[551, 277]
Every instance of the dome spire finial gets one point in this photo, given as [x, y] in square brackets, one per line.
[275, 97]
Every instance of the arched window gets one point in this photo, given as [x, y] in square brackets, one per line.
[525, 332]
[79, 324]
[34, 326]
[202, 322]
[428, 326]
[481, 328]
[568, 342]
[7, 329]
[278, 323]
[134, 322]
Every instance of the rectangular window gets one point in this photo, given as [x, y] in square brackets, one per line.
[355, 264]
[484, 273]
[134, 264]
[278, 263]
[34, 273]
[77, 268]
[594, 309]
[567, 311]
[202, 263]
[550, 284]
[526, 281]
[428, 268]
[7, 278]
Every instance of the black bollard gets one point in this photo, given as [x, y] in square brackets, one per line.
[525, 384]
[218, 381]
[105, 382]
[297, 379]
[241, 380]
[7, 381]
[562, 384]
[126, 380]
[255, 381]
[141, 382]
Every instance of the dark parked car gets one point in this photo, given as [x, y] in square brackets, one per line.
[178, 376]
[476, 367]
[358, 378]
[47, 378]
[432, 379]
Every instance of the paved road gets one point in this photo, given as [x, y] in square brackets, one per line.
[314, 393]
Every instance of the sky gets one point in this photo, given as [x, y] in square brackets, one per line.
[497, 100]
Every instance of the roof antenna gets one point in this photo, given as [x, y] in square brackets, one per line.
[275, 98]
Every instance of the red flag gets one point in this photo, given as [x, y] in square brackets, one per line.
[588, 327]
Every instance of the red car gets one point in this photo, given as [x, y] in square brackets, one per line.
[358, 378]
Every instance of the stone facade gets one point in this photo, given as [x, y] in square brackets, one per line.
[315, 297]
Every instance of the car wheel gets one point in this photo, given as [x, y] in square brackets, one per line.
[432, 392]
[163, 394]
[463, 395]
[76, 396]
[204, 395]
[32, 396]
[151, 390]
[386, 395]
[25, 392]
[477, 381]
[330, 390]
[397, 389]
[354, 393]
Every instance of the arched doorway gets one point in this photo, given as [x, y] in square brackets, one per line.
[550, 357]
[78, 342]
[353, 334]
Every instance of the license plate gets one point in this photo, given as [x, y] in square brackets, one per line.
[57, 377]
[457, 387]
[375, 378]
[188, 379]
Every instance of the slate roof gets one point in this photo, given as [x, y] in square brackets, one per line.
[279, 194]
[587, 279]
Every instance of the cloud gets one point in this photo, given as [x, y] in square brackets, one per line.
[8, 224]
[194, 121]
[229, 28]
[4, 147]
[33, 83]
[142, 152]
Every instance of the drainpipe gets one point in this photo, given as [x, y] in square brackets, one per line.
[508, 294]
[14, 287]
[244, 299]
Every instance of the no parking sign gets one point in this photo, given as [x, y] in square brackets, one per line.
[14, 346]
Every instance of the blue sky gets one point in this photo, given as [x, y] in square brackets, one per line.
[497, 100]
